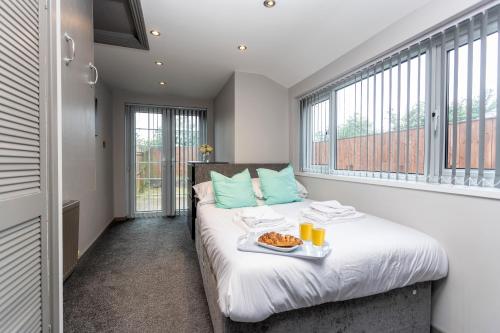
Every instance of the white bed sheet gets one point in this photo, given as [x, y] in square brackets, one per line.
[369, 255]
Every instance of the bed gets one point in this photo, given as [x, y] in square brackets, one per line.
[377, 278]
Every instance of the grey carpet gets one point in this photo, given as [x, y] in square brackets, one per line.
[140, 276]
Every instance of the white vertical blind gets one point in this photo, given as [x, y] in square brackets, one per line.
[428, 112]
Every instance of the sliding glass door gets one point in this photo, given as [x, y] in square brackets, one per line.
[161, 141]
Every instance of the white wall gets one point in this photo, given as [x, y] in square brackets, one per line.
[468, 228]
[261, 124]
[251, 123]
[224, 125]
[120, 98]
[88, 167]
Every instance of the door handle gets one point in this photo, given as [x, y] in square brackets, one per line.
[69, 59]
[96, 76]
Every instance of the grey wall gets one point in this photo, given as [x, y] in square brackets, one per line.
[88, 167]
[468, 228]
[261, 126]
[224, 125]
[120, 98]
[104, 158]
[251, 123]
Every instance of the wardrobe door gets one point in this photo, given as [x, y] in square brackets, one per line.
[24, 293]
[78, 114]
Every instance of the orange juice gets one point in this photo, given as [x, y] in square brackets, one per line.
[318, 236]
[306, 231]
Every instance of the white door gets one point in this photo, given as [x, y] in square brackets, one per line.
[24, 288]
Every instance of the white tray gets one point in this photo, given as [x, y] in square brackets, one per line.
[248, 243]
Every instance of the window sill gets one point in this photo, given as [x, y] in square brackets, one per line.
[489, 193]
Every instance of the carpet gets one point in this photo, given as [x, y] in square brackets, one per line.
[140, 276]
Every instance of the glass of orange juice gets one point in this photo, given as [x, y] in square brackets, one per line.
[318, 236]
[306, 231]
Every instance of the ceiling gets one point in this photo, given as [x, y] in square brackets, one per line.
[199, 40]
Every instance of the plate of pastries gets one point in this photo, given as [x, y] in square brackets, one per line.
[279, 242]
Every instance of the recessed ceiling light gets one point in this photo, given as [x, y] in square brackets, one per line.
[162, 83]
[159, 63]
[155, 33]
[269, 3]
[242, 47]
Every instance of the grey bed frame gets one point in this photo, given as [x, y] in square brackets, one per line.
[405, 309]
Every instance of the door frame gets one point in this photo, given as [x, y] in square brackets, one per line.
[53, 145]
[130, 162]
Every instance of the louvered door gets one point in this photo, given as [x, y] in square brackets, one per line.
[23, 210]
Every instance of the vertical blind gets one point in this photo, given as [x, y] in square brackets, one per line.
[163, 140]
[428, 112]
[190, 133]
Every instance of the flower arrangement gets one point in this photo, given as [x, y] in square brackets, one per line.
[206, 150]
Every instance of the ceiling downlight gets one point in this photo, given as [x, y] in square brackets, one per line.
[269, 3]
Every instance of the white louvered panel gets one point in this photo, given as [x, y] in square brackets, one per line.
[27, 13]
[21, 24]
[18, 47]
[20, 70]
[21, 129]
[14, 85]
[20, 277]
[19, 99]
[12, 139]
[21, 118]
[17, 146]
[17, 76]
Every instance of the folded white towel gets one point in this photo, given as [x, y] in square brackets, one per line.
[332, 208]
[262, 218]
[260, 215]
[321, 218]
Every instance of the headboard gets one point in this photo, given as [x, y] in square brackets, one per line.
[200, 172]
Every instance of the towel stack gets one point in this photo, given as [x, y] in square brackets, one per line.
[262, 218]
[325, 212]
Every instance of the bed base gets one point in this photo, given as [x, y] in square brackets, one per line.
[405, 309]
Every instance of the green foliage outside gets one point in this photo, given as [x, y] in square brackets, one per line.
[354, 127]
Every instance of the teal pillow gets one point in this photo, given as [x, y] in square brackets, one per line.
[278, 187]
[233, 192]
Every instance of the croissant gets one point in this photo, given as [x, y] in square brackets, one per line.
[279, 240]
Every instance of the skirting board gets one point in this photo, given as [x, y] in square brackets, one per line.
[405, 309]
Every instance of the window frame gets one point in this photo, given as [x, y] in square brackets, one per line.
[372, 71]
[436, 109]
[489, 174]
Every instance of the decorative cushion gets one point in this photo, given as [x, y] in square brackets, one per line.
[233, 192]
[278, 187]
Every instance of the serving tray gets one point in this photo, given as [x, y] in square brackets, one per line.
[248, 243]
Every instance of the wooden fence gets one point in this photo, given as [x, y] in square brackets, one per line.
[182, 155]
[365, 153]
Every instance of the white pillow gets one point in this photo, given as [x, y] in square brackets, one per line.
[303, 193]
[205, 191]
[258, 192]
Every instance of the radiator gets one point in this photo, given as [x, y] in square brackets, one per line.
[71, 216]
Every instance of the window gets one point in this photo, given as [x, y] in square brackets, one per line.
[475, 118]
[425, 113]
[316, 136]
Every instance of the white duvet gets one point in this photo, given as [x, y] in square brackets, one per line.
[369, 255]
